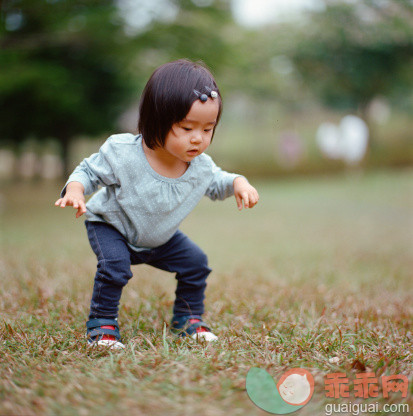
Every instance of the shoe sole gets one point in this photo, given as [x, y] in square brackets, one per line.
[107, 343]
[204, 336]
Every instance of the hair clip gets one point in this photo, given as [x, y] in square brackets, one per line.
[204, 97]
[211, 93]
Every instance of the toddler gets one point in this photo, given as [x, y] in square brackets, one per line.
[149, 183]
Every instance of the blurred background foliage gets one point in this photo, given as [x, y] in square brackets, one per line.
[72, 71]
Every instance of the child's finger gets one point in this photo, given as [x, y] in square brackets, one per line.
[58, 202]
[239, 201]
[254, 199]
[66, 201]
[246, 199]
[82, 208]
[79, 212]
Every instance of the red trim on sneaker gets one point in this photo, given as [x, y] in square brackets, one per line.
[199, 329]
[109, 337]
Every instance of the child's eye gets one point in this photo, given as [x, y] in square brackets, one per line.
[187, 128]
[208, 130]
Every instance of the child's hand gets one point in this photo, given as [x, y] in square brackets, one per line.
[243, 191]
[75, 200]
[74, 197]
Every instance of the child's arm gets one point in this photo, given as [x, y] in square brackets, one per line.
[243, 191]
[94, 171]
[226, 184]
[75, 197]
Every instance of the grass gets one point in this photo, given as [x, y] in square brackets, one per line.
[319, 270]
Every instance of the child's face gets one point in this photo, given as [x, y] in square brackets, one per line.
[191, 136]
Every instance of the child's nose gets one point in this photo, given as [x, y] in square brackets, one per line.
[196, 137]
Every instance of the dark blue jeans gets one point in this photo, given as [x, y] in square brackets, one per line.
[179, 255]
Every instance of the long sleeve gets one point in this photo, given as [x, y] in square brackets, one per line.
[95, 170]
[144, 206]
[222, 183]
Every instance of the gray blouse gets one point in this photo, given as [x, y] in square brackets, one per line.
[144, 206]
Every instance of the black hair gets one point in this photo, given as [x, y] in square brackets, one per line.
[169, 95]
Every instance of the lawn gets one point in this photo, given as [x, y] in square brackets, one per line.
[318, 276]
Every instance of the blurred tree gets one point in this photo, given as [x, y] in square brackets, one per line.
[350, 53]
[205, 30]
[69, 67]
[62, 69]
[200, 30]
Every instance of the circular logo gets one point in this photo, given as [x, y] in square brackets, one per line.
[294, 390]
[296, 386]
